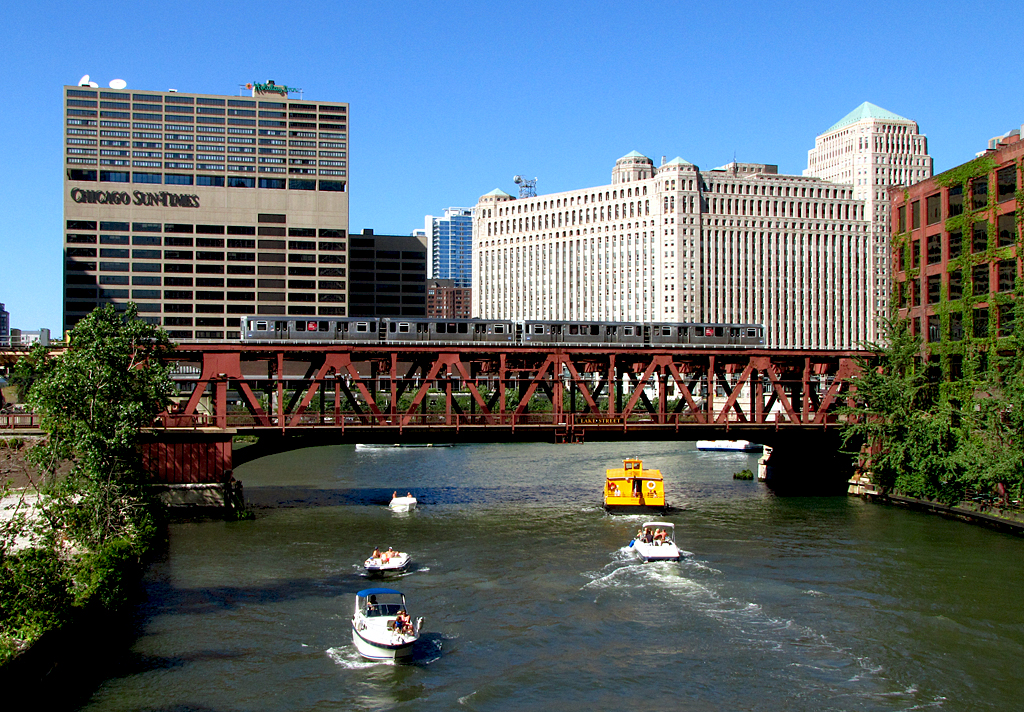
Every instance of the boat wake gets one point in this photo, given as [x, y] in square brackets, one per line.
[812, 656]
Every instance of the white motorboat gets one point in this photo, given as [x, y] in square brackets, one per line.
[377, 631]
[386, 562]
[402, 504]
[656, 541]
[728, 446]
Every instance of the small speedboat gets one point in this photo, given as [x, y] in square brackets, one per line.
[377, 628]
[402, 504]
[656, 541]
[728, 446]
[387, 562]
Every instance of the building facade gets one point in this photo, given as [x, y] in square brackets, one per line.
[451, 245]
[5, 327]
[446, 301]
[203, 208]
[956, 255]
[20, 337]
[388, 275]
[737, 244]
[872, 149]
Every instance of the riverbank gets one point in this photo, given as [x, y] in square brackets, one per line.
[1011, 521]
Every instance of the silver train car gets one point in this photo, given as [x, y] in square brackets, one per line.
[500, 332]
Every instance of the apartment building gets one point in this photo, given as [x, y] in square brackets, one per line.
[451, 245]
[204, 208]
[872, 149]
[956, 256]
[446, 301]
[673, 243]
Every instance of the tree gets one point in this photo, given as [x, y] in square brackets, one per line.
[93, 400]
[907, 438]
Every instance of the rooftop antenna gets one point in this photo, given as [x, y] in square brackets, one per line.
[527, 186]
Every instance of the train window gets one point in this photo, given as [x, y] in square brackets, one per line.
[300, 326]
[538, 328]
[595, 330]
[627, 331]
[666, 331]
[719, 331]
[499, 328]
[324, 326]
[734, 332]
[574, 330]
[261, 326]
[463, 328]
[403, 327]
[392, 327]
[281, 325]
[362, 326]
[751, 332]
[610, 330]
[709, 331]
[684, 330]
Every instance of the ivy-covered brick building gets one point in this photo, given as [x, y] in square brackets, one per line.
[956, 256]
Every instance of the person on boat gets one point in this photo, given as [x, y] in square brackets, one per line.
[408, 494]
[659, 536]
[376, 553]
[371, 605]
[403, 624]
[394, 495]
[390, 553]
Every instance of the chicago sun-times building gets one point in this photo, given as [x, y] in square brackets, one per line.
[672, 243]
[204, 208]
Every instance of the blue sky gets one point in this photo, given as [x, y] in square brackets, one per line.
[450, 100]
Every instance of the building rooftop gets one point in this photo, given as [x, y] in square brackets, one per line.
[867, 110]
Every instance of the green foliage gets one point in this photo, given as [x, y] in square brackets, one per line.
[34, 596]
[29, 368]
[743, 475]
[965, 172]
[106, 575]
[93, 401]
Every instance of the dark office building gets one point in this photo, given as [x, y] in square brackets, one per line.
[387, 275]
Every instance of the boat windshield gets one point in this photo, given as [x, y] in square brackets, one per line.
[381, 604]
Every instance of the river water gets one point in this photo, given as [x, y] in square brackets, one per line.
[532, 599]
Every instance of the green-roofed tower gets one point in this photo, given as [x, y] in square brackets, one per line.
[872, 149]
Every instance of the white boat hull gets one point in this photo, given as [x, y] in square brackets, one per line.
[656, 552]
[728, 446]
[395, 564]
[403, 504]
[396, 647]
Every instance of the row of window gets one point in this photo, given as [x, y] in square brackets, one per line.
[979, 325]
[929, 290]
[1006, 185]
[179, 100]
[336, 186]
[1006, 235]
[121, 226]
[84, 307]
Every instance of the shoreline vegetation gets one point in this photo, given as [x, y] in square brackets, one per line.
[949, 439]
[75, 536]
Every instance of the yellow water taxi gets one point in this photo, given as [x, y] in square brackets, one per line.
[631, 488]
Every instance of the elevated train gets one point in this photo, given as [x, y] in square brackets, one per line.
[498, 332]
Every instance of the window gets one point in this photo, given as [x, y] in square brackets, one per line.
[79, 174]
[979, 236]
[901, 218]
[1006, 178]
[210, 180]
[113, 176]
[934, 208]
[1005, 320]
[933, 328]
[955, 201]
[336, 186]
[934, 287]
[275, 183]
[953, 244]
[146, 178]
[915, 214]
[297, 184]
[1006, 226]
[1007, 275]
[956, 326]
[934, 249]
[174, 179]
[979, 279]
[241, 182]
[979, 193]
[980, 323]
[915, 253]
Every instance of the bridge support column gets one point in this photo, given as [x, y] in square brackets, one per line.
[192, 471]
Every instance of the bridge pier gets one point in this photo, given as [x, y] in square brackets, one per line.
[802, 465]
[192, 471]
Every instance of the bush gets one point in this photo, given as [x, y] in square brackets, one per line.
[34, 597]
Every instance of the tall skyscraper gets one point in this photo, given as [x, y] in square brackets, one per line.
[451, 245]
[204, 208]
[5, 327]
[872, 149]
[673, 243]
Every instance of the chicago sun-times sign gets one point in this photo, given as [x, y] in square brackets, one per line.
[136, 197]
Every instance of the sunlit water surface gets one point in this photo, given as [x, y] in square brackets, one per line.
[532, 598]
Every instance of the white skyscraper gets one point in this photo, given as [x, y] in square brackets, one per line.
[871, 149]
[673, 243]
